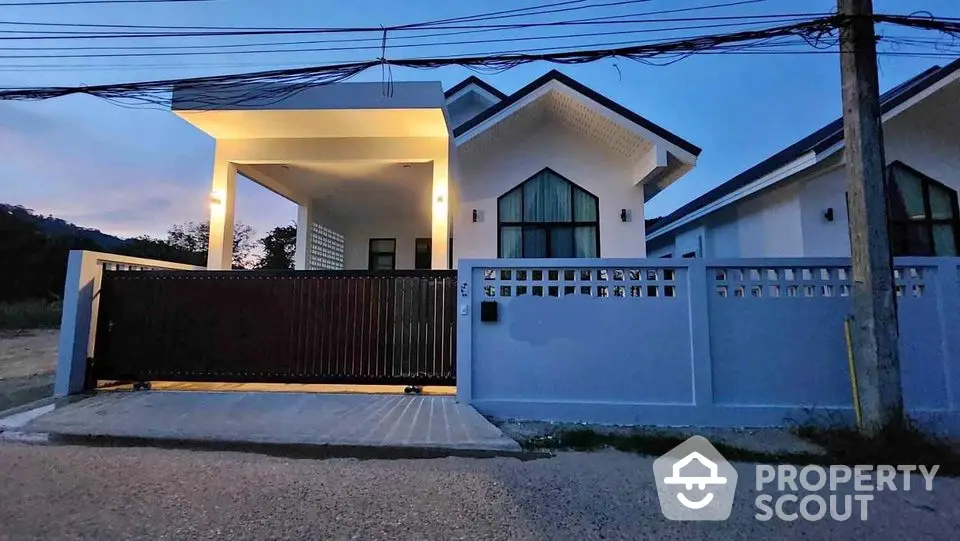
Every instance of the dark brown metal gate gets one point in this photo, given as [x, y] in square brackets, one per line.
[358, 327]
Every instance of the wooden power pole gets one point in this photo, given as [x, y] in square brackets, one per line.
[875, 334]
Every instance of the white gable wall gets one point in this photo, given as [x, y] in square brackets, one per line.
[788, 220]
[505, 162]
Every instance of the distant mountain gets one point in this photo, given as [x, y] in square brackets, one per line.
[56, 227]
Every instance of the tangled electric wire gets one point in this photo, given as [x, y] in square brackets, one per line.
[266, 87]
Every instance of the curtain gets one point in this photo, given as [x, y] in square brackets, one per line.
[534, 242]
[944, 241]
[561, 242]
[510, 239]
[585, 241]
[546, 198]
[510, 206]
[941, 203]
[909, 188]
[584, 206]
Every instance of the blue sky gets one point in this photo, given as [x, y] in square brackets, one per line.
[137, 171]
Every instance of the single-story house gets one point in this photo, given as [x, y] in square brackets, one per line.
[793, 204]
[403, 175]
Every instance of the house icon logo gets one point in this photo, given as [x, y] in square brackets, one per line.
[695, 482]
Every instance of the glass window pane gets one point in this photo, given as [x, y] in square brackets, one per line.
[585, 241]
[909, 201]
[383, 245]
[914, 239]
[510, 207]
[534, 242]
[561, 242]
[941, 202]
[546, 198]
[510, 242]
[532, 200]
[944, 240]
[383, 262]
[584, 206]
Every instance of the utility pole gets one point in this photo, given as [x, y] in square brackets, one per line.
[875, 334]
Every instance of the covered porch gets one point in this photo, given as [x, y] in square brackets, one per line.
[370, 173]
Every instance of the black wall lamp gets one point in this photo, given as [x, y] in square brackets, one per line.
[474, 215]
[828, 214]
[624, 215]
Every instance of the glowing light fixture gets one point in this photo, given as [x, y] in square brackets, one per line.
[216, 198]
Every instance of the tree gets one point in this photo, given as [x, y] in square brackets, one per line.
[192, 237]
[279, 247]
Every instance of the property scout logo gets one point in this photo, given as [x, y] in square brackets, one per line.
[694, 482]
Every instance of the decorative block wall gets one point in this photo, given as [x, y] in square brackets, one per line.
[325, 250]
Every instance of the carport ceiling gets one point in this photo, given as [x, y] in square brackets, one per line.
[359, 189]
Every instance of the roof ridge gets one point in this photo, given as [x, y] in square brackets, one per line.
[817, 141]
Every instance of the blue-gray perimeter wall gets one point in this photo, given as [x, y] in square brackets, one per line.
[745, 342]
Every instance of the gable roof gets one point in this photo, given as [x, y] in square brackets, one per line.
[604, 101]
[816, 142]
[474, 80]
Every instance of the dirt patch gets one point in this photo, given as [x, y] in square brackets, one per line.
[28, 353]
[27, 363]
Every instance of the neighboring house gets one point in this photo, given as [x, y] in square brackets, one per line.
[406, 176]
[793, 204]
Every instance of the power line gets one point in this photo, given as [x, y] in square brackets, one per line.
[268, 87]
[400, 46]
[611, 19]
[377, 40]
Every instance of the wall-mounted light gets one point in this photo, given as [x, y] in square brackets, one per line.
[216, 198]
[828, 214]
[474, 215]
[440, 198]
[624, 215]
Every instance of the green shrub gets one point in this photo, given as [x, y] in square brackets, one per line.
[30, 314]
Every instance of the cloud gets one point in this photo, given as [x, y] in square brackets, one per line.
[98, 174]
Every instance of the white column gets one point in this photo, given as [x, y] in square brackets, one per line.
[440, 232]
[222, 203]
[304, 224]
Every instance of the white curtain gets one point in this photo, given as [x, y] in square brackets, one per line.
[510, 239]
[585, 241]
[546, 198]
[584, 206]
[510, 210]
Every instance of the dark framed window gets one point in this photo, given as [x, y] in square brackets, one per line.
[923, 214]
[548, 215]
[424, 251]
[383, 254]
[690, 255]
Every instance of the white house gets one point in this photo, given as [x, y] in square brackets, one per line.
[793, 204]
[407, 176]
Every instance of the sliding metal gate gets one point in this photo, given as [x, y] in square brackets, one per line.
[286, 326]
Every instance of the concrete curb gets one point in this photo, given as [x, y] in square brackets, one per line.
[283, 450]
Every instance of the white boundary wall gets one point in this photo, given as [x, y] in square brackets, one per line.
[739, 342]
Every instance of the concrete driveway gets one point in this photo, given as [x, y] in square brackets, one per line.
[436, 423]
[61, 492]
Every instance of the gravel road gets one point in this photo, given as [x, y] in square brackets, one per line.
[57, 492]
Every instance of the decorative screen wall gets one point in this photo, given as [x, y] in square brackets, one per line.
[325, 249]
[594, 282]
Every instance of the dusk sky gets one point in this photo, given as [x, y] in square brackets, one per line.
[137, 171]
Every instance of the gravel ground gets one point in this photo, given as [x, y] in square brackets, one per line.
[55, 492]
[27, 361]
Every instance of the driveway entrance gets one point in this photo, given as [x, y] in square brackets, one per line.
[359, 420]
[345, 327]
